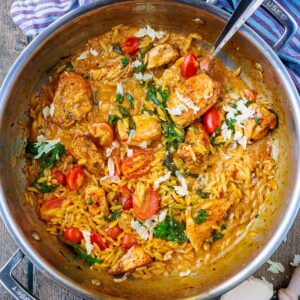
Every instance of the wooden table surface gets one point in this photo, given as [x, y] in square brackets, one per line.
[12, 41]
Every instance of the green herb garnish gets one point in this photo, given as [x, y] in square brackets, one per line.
[90, 202]
[257, 120]
[201, 216]
[223, 227]
[119, 98]
[202, 194]
[113, 216]
[43, 187]
[113, 119]
[130, 99]
[124, 61]
[217, 235]
[170, 230]
[124, 111]
[118, 49]
[248, 103]
[230, 124]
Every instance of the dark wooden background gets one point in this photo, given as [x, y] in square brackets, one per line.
[12, 41]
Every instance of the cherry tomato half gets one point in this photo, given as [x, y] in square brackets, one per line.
[113, 232]
[211, 120]
[73, 235]
[145, 203]
[59, 177]
[131, 45]
[127, 202]
[75, 178]
[138, 164]
[188, 67]
[103, 132]
[128, 241]
[100, 241]
[49, 208]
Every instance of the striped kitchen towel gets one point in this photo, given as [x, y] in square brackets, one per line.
[33, 16]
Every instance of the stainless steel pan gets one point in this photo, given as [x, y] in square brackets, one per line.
[59, 40]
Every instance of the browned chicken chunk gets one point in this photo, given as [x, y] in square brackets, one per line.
[198, 233]
[72, 99]
[96, 200]
[148, 129]
[83, 148]
[258, 127]
[195, 146]
[192, 99]
[134, 258]
[161, 55]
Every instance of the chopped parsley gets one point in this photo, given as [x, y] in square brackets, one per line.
[124, 111]
[201, 216]
[248, 103]
[148, 111]
[257, 120]
[216, 235]
[118, 49]
[90, 202]
[119, 98]
[124, 61]
[115, 215]
[234, 105]
[130, 99]
[230, 124]
[43, 187]
[113, 119]
[170, 230]
[223, 227]
[202, 194]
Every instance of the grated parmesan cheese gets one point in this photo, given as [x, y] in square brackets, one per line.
[143, 77]
[136, 63]
[183, 189]
[188, 102]
[87, 238]
[120, 89]
[118, 280]
[94, 52]
[275, 267]
[162, 216]
[296, 261]
[140, 229]
[46, 112]
[181, 179]
[143, 145]
[186, 273]
[115, 144]
[129, 152]
[147, 30]
[108, 151]
[51, 109]
[177, 111]
[162, 179]
[83, 55]
[44, 146]
[111, 167]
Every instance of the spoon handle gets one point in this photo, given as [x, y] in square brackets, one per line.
[244, 11]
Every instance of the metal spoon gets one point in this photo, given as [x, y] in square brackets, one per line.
[244, 11]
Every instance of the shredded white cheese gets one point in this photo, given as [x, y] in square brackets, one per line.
[115, 144]
[83, 55]
[186, 273]
[94, 52]
[51, 109]
[111, 167]
[181, 179]
[143, 145]
[108, 151]
[48, 111]
[162, 216]
[44, 146]
[275, 267]
[147, 30]
[296, 261]
[143, 77]
[183, 189]
[129, 152]
[178, 110]
[87, 238]
[188, 102]
[275, 150]
[136, 63]
[140, 229]
[162, 179]
[118, 280]
[120, 89]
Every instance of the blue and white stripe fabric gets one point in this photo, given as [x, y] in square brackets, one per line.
[33, 16]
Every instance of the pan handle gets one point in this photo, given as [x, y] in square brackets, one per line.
[10, 283]
[287, 21]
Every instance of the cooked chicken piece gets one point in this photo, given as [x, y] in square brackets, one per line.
[83, 148]
[195, 146]
[192, 99]
[263, 122]
[72, 99]
[96, 200]
[170, 77]
[148, 129]
[161, 55]
[198, 233]
[134, 258]
[111, 70]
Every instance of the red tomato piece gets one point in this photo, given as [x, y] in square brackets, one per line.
[131, 45]
[125, 190]
[73, 235]
[113, 232]
[146, 204]
[127, 202]
[104, 133]
[59, 177]
[188, 67]
[211, 120]
[137, 165]
[100, 241]
[128, 241]
[75, 178]
[49, 208]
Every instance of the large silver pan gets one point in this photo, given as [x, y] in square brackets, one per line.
[59, 40]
